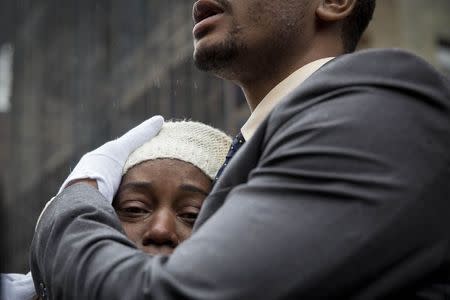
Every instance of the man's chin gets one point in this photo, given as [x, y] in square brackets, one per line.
[215, 58]
[200, 61]
[206, 60]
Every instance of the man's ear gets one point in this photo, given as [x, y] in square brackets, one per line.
[334, 10]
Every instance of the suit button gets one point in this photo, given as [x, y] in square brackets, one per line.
[43, 290]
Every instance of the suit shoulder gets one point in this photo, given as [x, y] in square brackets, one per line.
[384, 59]
[365, 84]
[388, 68]
[393, 71]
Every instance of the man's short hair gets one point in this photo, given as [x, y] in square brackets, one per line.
[356, 23]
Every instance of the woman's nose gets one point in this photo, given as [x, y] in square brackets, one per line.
[161, 230]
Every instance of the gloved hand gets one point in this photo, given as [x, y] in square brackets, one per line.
[105, 163]
[17, 287]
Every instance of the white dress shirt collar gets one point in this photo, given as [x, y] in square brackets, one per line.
[278, 93]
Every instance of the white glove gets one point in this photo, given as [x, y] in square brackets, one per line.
[17, 287]
[105, 163]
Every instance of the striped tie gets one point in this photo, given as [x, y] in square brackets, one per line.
[238, 141]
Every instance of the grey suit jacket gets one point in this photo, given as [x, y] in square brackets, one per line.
[342, 193]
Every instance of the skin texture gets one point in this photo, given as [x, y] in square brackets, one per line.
[258, 43]
[158, 202]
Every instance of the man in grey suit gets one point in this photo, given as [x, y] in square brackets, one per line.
[340, 191]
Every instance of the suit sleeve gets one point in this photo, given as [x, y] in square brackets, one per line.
[348, 198]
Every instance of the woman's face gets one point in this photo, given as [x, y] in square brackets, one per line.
[158, 202]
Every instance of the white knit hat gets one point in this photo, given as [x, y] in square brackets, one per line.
[199, 144]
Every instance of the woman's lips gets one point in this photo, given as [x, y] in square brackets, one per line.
[157, 250]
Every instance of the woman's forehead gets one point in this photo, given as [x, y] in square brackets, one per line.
[165, 169]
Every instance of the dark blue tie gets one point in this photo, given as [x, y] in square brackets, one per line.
[238, 141]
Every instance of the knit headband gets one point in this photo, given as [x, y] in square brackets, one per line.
[199, 144]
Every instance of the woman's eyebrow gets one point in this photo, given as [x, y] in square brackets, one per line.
[193, 188]
[135, 185]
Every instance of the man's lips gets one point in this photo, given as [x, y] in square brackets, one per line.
[204, 9]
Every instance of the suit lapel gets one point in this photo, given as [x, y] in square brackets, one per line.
[235, 173]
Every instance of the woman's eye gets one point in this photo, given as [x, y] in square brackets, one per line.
[134, 210]
[188, 217]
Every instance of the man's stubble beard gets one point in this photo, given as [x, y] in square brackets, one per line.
[220, 58]
[232, 59]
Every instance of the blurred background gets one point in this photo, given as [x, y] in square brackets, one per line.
[74, 74]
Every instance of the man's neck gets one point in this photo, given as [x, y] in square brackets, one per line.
[263, 81]
[255, 90]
